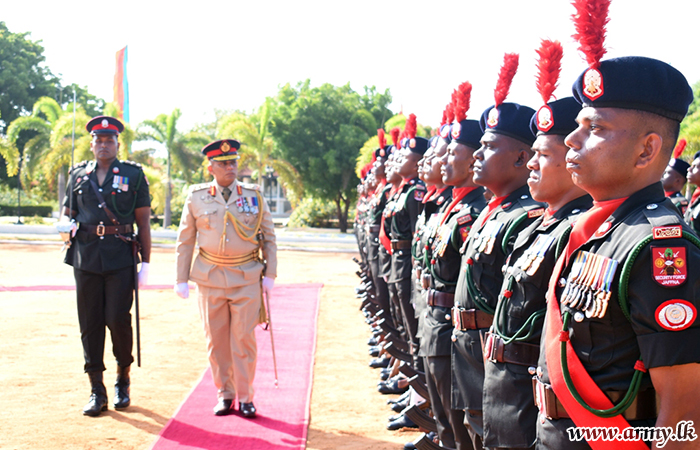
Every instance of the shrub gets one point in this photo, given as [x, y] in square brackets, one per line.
[311, 212]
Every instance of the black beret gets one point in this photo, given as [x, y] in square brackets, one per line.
[635, 82]
[417, 145]
[509, 119]
[679, 166]
[557, 117]
[467, 132]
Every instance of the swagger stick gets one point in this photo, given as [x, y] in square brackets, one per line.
[272, 336]
[135, 250]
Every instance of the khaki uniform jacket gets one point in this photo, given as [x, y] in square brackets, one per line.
[203, 222]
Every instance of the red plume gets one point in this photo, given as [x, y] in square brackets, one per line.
[505, 77]
[402, 135]
[678, 151]
[462, 100]
[395, 136]
[590, 20]
[449, 113]
[411, 126]
[381, 137]
[549, 67]
[444, 117]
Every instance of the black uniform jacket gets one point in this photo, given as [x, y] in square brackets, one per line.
[467, 360]
[663, 296]
[124, 189]
[509, 408]
[406, 208]
[443, 268]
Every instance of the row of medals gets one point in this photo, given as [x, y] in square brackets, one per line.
[588, 286]
[249, 205]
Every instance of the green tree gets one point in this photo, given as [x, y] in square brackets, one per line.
[257, 147]
[320, 132]
[46, 141]
[23, 77]
[182, 158]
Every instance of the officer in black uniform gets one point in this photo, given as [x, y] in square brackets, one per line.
[442, 257]
[621, 327]
[407, 206]
[692, 213]
[107, 196]
[674, 178]
[511, 347]
[500, 166]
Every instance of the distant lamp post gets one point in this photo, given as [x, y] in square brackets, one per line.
[19, 191]
[269, 171]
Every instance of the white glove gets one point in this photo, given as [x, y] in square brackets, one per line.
[267, 285]
[143, 274]
[182, 290]
[65, 225]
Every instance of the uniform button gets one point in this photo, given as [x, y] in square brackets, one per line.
[532, 370]
[579, 316]
[652, 206]
[226, 206]
[448, 317]
[80, 191]
[99, 189]
[523, 197]
[562, 282]
[102, 237]
[400, 253]
[226, 240]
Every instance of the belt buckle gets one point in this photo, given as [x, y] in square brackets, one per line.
[100, 230]
[490, 348]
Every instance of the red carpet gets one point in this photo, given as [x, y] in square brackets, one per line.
[283, 413]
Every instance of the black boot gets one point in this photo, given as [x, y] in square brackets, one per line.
[98, 398]
[121, 388]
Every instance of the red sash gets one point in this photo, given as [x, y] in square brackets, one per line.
[586, 387]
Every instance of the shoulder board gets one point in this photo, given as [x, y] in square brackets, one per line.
[131, 163]
[199, 187]
[79, 165]
[251, 186]
[659, 216]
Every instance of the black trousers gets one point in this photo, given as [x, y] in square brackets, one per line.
[104, 300]
[403, 292]
[450, 422]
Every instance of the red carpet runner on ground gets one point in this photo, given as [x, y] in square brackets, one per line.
[283, 413]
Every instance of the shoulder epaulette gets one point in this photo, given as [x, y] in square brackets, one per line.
[79, 165]
[251, 186]
[199, 187]
[131, 163]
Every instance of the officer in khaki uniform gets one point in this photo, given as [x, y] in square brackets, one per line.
[231, 223]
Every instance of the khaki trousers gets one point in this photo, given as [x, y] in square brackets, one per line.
[229, 317]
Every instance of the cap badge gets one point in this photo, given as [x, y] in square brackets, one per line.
[592, 84]
[412, 143]
[456, 130]
[544, 119]
[445, 131]
[225, 147]
[382, 153]
[105, 123]
[493, 117]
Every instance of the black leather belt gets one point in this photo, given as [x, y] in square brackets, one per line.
[442, 299]
[400, 244]
[101, 230]
[643, 407]
[520, 353]
[470, 319]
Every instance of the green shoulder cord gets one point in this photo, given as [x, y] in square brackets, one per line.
[511, 229]
[136, 196]
[639, 369]
[500, 312]
[474, 292]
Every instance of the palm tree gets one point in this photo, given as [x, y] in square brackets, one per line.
[257, 148]
[163, 129]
